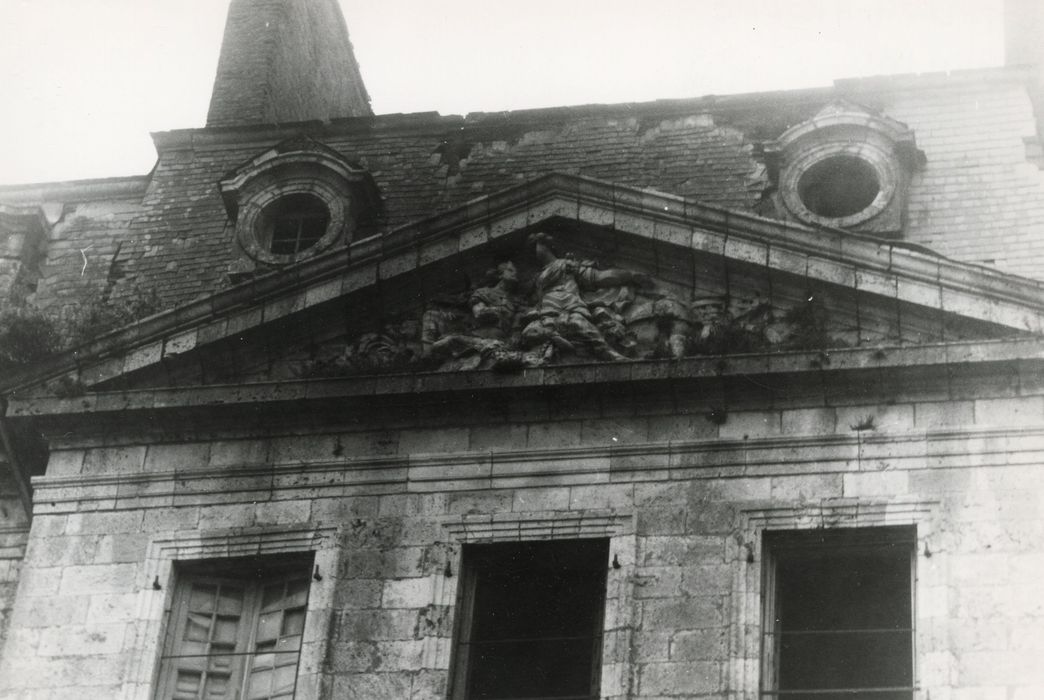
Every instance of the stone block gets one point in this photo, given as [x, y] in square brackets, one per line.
[401, 655]
[658, 582]
[99, 579]
[238, 452]
[864, 484]
[537, 499]
[679, 679]
[337, 510]
[886, 418]
[282, 512]
[161, 457]
[698, 645]
[126, 547]
[379, 625]
[65, 462]
[171, 519]
[936, 414]
[358, 593]
[479, 502]
[112, 608]
[434, 441]
[750, 424]
[680, 551]
[55, 611]
[497, 437]
[553, 435]
[408, 593]
[662, 520]
[303, 449]
[614, 431]
[41, 581]
[1022, 411]
[105, 522]
[109, 460]
[370, 686]
[219, 517]
[681, 428]
[86, 640]
[806, 487]
[601, 496]
[809, 421]
[62, 551]
[429, 685]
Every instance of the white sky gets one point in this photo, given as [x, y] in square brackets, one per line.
[83, 82]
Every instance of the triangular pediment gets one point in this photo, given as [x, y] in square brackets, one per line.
[639, 276]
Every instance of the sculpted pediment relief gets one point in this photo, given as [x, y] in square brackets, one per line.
[545, 305]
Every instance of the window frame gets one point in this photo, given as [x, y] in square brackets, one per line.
[253, 574]
[297, 210]
[476, 556]
[867, 539]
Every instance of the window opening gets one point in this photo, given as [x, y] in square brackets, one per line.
[296, 223]
[235, 630]
[838, 186]
[531, 621]
[839, 615]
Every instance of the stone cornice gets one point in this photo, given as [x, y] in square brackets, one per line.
[856, 452]
[708, 368]
[130, 187]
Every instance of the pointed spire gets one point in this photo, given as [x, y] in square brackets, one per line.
[286, 61]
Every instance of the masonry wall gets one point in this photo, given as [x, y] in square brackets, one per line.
[14, 531]
[384, 497]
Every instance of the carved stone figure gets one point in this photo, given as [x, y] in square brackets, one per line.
[485, 338]
[564, 320]
[576, 311]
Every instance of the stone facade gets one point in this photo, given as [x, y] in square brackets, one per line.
[766, 377]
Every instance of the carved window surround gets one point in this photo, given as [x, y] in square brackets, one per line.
[619, 621]
[155, 596]
[931, 665]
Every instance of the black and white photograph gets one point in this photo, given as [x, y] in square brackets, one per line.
[572, 350]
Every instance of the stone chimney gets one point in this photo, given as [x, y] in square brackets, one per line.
[286, 61]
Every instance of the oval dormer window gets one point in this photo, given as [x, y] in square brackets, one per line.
[838, 186]
[292, 224]
[295, 201]
[846, 167]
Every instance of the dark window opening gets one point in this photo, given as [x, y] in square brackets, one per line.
[235, 629]
[531, 621]
[838, 186]
[295, 223]
[838, 615]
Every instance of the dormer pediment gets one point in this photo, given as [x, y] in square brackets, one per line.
[846, 167]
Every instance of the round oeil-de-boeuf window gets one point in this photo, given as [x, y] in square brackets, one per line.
[839, 188]
[293, 223]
